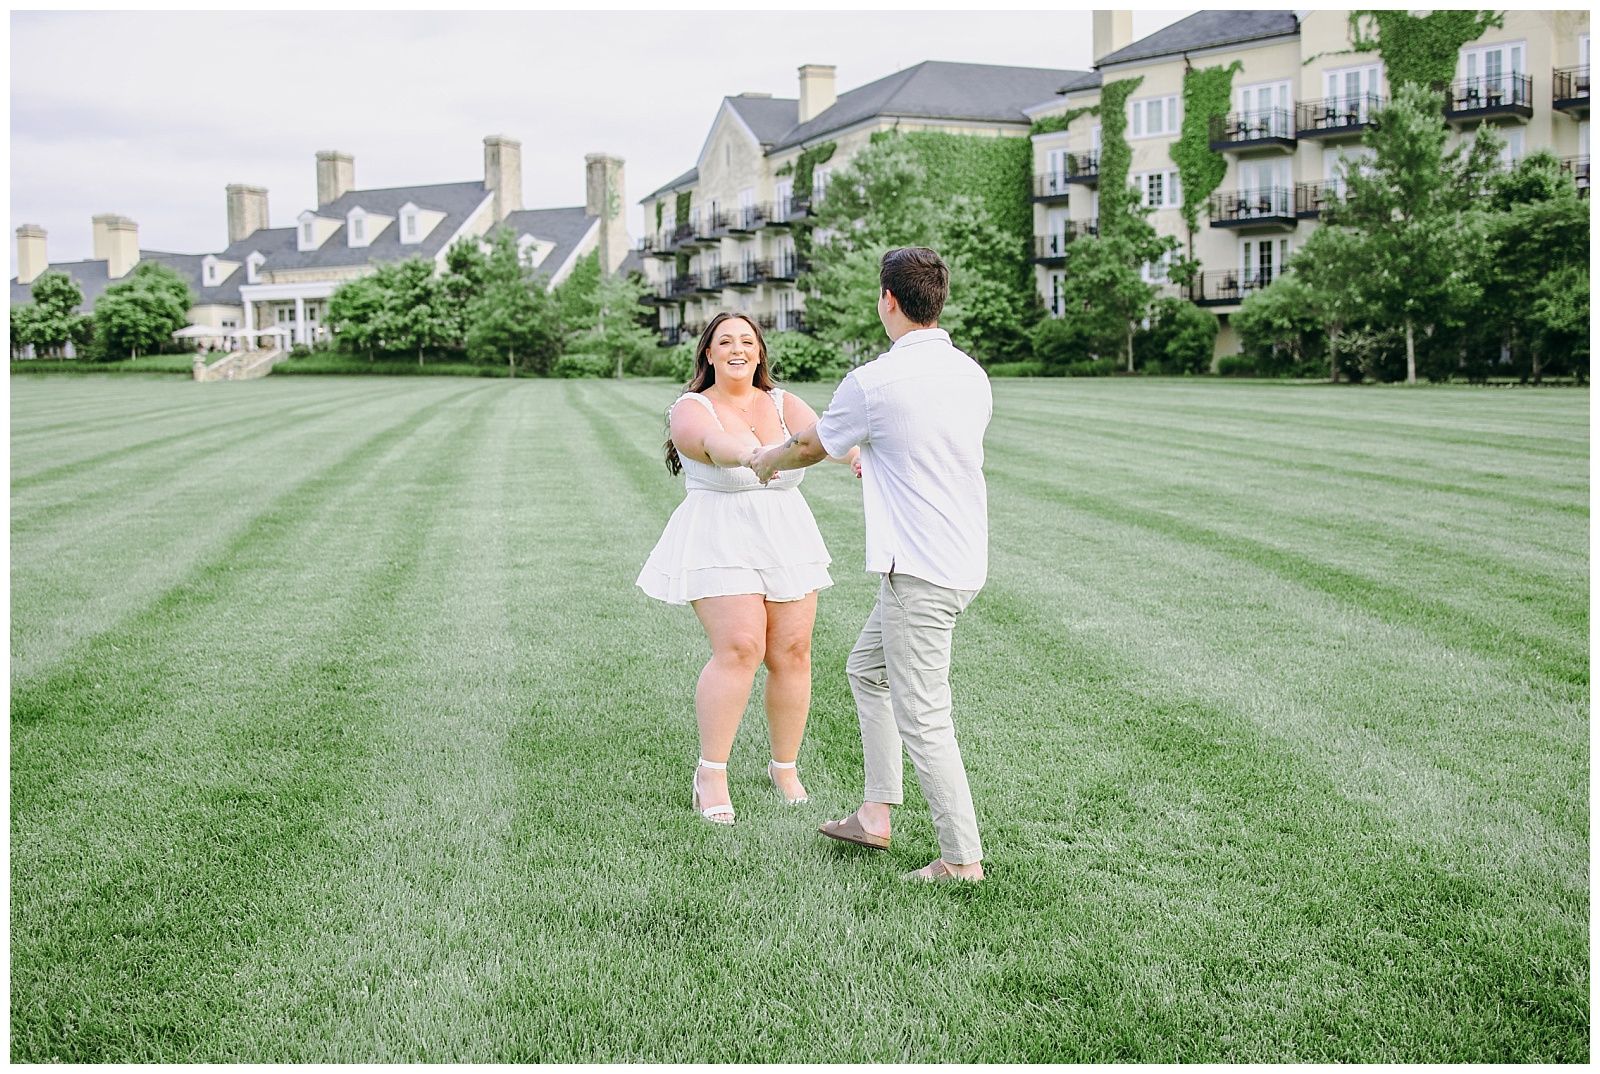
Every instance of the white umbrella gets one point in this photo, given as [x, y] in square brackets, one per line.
[200, 331]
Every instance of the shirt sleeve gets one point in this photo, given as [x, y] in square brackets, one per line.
[844, 424]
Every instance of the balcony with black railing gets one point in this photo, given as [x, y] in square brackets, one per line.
[1336, 117]
[748, 274]
[1268, 207]
[789, 321]
[1312, 199]
[1578, 168]
[682, 236]
[1267, 128]
[1569, 90]
[1225, 288]
[1487, 96]
[1053, 247]
[748, 218]
[1079, 169]
[673, 334]
[787, 267]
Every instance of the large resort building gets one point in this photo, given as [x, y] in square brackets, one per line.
[717, 237]
[284, 276]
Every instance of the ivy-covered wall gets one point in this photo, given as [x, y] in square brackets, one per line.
[805, 166]
[999, 170]
[1052, 124]
[660, 207]
[1419, 51]
[1115, 154]
[682, 208]
[1207, 92]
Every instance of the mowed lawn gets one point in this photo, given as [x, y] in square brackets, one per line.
[340, 732]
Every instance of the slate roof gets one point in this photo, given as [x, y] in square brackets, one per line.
[769, 117]
[1207, 29]
[940, 90]
[564, 227]
[94, 277]
[456, 200]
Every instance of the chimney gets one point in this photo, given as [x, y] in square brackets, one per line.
[605, 197]
[31, 258]
[247, 210]
[1113, 30]
[336, 174]
[502, 173]
[816, 90]
[116, 242]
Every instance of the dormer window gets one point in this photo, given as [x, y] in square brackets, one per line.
[358, 228]
[211, 275]
[308, 232]
[417, 223]
[362, 227]
[313, 231]
[252, 266]
[411, 226]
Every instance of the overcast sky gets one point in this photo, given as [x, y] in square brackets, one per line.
[152, 114]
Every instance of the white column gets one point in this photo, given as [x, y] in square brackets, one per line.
[249, 321]
[300, 320]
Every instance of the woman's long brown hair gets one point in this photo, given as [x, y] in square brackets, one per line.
[704, 376]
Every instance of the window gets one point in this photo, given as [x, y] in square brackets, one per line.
[308, 232]
[1264, 109]
[1492, 73]
[1336, 164]
[358, 229]
[211, 274]
[1354, 88]
[1156, 271]
[1511, 152]
[819, 184]
[784, 190]
[1261, 260]
[1159, 190]
[1149, 117]
[411, 225]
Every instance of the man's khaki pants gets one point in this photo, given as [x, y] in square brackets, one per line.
[899, 672]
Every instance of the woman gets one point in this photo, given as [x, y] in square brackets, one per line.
[747, 556]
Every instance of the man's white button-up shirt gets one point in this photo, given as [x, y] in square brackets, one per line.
[919, 412]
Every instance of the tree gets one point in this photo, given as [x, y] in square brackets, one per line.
[51, 319]
[355, 313]
[1419, 213]
[141, 311]
[463, 283]
[414, 315]
[1277, 325]
[513, 316]
[1103, 294]
[576, 297]
[1329, 268]
[1182, 337]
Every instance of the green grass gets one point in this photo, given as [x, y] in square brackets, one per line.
[323, 363]
[340, 732]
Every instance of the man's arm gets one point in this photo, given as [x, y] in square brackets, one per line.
[801, 449]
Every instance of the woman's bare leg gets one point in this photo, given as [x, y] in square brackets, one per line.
[788, 659]
[737, 627]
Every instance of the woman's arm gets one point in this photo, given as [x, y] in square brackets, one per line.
[797, 414]
[696, 435]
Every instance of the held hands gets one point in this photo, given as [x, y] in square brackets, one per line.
[854, 459]
[760, 460]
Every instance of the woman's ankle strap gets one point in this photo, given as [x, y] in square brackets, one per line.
[713, 765]
[781, 764]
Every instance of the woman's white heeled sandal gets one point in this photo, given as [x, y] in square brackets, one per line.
[779, 764]
[717, 814]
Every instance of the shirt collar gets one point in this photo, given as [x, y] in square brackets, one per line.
[920, 335]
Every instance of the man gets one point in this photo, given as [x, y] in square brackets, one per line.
[918, 412]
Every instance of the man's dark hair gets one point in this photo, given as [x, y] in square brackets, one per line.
[919, 280]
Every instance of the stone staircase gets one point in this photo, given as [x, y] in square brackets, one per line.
[240, 365]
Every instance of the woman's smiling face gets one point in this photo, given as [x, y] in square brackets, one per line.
[735, 353]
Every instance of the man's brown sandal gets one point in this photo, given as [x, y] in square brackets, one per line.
[849, 830]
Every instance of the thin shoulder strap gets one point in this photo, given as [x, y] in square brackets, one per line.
[707, 404]
[777, 401]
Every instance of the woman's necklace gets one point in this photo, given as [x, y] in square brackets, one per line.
[742, 410]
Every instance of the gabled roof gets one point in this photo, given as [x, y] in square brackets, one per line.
[1085, 80]
[690, 176]
[939, 90]
[564, 227]
[770, 118]
[1207, 29]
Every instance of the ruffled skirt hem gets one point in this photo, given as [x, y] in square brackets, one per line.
[776, 584]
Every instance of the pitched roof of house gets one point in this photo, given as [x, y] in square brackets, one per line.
[1207, 29]
[770, 118]
[564, 227]
[457, 201]
[939, 90]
